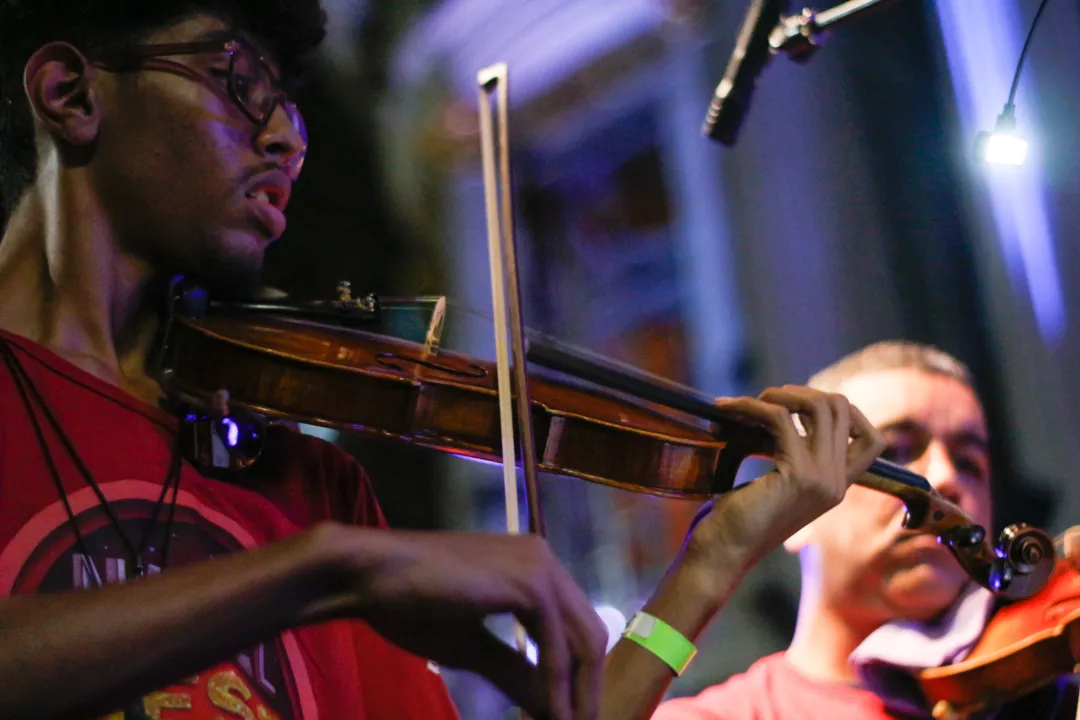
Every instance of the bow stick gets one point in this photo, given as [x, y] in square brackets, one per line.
[505, 287]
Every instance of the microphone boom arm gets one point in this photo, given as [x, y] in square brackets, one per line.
[767, 32]
[800, 35]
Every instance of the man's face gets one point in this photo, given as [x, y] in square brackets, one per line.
[934, 425]
[191, 184]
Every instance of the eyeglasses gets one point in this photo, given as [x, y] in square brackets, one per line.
[250, 81]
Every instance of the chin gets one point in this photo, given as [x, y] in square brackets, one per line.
[924, 591]
[233, 267]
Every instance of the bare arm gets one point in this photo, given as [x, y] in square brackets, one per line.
[635, 680]
[812, 475]
[427, 592]
[107, 647]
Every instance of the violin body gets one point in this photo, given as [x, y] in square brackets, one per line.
[1026, 645]
[350, 379]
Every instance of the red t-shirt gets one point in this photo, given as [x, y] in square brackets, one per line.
[773, 690]
[334, 671]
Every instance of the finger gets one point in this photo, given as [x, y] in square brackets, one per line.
[776, 419]
[814, 408]
[866, 446]
[588, 640]
[841, 411]
[1070, 542]
[508, 670]
[544, 623]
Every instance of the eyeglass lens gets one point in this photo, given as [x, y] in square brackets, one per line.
[254, 86]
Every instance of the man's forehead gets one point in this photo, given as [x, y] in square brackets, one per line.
[938, 402]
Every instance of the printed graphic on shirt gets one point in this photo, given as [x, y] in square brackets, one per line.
[46, 557]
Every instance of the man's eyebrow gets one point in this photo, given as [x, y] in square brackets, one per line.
[970, 437]
[904, 426]
[963, 438]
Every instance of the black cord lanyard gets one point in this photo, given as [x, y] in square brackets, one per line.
[30, 396]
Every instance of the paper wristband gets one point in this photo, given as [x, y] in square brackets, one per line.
[662, 640]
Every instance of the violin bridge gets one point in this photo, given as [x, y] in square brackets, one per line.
[435, 327]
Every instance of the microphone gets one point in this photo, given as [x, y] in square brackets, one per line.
[766, 31]
[731, 101]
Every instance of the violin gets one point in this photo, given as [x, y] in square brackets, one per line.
[591, 418]
[1026, 646]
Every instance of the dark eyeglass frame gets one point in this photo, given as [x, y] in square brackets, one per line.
[150, 57]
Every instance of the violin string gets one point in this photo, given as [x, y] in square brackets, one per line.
[531, 333]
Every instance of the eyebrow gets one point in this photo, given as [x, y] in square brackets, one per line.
[964, 437]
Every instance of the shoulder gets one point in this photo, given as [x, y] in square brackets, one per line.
[741, 697]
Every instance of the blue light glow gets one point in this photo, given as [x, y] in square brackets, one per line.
[233, 436]
[983, 44]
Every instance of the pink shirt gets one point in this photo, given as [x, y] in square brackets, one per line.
[773, 690]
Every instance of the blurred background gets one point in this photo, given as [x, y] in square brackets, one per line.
[850, 211]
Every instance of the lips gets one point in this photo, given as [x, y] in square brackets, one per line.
[268, 196]
[268, 216]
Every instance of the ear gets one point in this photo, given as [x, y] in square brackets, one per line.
[58, 80]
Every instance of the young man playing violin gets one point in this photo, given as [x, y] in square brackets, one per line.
[879, 603]
[142, 140]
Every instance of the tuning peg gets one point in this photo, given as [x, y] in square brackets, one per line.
[1001, 575]
[966, 536]
[344, 291]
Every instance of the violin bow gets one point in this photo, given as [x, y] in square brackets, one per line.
[505, 286]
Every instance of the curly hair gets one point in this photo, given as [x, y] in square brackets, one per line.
[291, 29]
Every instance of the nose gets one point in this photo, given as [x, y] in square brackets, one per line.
[284, 138]
[941, 472]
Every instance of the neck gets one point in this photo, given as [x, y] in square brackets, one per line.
[826, 633]
[66, 284]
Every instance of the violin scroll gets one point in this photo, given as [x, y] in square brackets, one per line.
[1027, 548]
[1017, 567]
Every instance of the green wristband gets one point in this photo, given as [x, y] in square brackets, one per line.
[662, 640]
